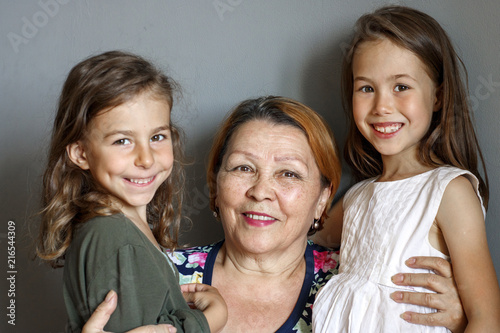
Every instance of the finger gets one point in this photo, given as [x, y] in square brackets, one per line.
[101, 315]
[438, 265]
[162, 328]
[434, 301]
[429, 319]
[194, 287]
[428, 281]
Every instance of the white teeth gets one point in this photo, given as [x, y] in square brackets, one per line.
[141, 181]
[387, 129]
[260, 217]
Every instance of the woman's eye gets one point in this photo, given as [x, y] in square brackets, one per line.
[122, 142]
[290, 174]
[158, 137]
[401, 87]
[243, 168]
[366, 89]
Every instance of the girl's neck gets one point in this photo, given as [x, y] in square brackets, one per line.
[139, 219]
[396, 168]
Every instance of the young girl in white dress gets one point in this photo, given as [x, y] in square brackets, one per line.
[412, 145]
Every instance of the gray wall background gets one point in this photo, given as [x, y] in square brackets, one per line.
[221, 52]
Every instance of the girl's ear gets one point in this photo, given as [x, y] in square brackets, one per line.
[76, 153]
[323, 199]
[438, 103]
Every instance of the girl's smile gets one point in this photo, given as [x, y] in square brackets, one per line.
[394, 98]
[128, 150]
[387, 128]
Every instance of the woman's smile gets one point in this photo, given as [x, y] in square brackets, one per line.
[258, 219]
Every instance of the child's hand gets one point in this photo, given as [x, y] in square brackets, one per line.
[101, 315]
[207, 299]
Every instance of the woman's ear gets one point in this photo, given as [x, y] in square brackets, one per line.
[77, 155]
[323, 199]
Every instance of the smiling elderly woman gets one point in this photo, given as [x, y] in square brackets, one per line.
[273, 169]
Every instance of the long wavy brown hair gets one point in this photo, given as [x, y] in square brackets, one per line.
[70, 195]
[451, 138]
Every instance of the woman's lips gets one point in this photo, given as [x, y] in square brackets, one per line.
[258, 220]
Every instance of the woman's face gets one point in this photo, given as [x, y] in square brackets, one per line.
[269, 188]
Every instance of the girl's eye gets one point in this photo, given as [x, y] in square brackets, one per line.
[401, 87]
[122, 142]
[158, 137]
[366, 89]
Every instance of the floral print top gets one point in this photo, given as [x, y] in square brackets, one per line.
[196, 265]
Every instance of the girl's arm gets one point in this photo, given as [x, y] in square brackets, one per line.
[461, 220]
[331, 233]
[207, 299]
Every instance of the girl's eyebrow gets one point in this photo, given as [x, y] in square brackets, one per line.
[130, 133]
[406, 76]
[392, 77]
[361, 78]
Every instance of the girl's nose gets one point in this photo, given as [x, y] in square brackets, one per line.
[383, 104]
[262, 189]
[144, 157]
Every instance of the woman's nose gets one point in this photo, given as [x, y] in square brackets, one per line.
[144, 157]
[263, 188]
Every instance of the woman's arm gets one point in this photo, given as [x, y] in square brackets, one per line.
[461, 220]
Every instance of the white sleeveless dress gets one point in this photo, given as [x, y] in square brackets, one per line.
[385, 223]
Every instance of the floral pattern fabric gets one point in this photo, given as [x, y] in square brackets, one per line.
[196, 265]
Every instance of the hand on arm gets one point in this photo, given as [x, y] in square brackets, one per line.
[101, 315]
[446, 300]
[208, 300]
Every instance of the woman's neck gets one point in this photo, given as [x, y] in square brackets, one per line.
[261, 291]
[282, 263]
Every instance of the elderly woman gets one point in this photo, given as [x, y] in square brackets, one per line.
[273, 169]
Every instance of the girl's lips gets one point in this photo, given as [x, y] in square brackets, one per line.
[258, 220]
[141, 181]
[386, 130]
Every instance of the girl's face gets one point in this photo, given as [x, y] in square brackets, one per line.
[128, 150]
[269, 188]
[393, 97]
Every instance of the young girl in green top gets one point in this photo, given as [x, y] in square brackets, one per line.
[112, 198]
